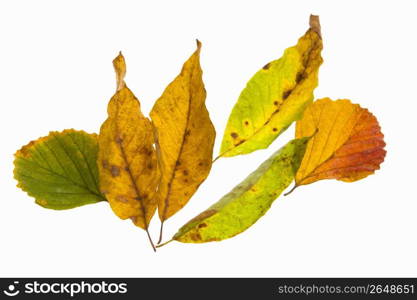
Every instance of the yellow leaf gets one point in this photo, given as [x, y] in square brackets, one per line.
[275, 96]
[185, 137]
[348, 144]
[127, 159]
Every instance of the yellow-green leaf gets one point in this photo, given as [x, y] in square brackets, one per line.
[248, 201]
[275, 96]
[185, 137]
[60, 170]
[127, 159]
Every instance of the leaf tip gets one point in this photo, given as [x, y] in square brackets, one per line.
[199, 44]
[315, 24]
[119, 65]
[119, 59]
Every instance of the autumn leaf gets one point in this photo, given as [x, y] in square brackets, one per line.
[248, 201]
[59, 170]
[348, 146]
[127, 159]
[275, 96]
[185, 138]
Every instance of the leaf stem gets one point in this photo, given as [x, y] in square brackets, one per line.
[160, 232]
[163, 244]
[216, 158]
[150, 240]
[223, 153]
[293, 188]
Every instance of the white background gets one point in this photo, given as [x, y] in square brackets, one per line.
[56, 73]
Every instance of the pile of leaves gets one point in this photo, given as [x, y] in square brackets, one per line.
[140, 164]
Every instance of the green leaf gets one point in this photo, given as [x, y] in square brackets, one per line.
[275, 96]
[248, 201]
[60, 170]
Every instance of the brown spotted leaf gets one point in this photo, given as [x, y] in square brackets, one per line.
[275, 96]
[127, 159]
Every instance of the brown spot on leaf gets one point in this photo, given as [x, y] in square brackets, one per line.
[266, 67]
[299, 77]
[286, 94]
[105, 164]
[202, 225]
[195, 236]
[122, 199]
[285, 159]
[185, 172]
[119, 140]
[274, 129]
[200, 164]
[276, 103]
[246, 123]
[240, 142]
[204, 215]
[114, 170]
[234, 135]
[146, 151]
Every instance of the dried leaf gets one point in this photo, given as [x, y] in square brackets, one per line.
[185, 137]
[248, 201]
[348, 146]
[127, 159]
[275, 96]
[60, 170]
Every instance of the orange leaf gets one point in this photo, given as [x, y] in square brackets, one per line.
[348, 144]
